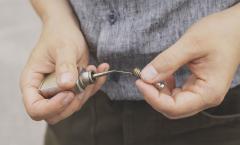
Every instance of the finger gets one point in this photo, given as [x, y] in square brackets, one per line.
[169, 85]
[39, 108]
[167, 62]
[68, 111]
[91, 68]
[66, 67]
[100, 81]
[83, 61]
[184, 104]
[75, 105]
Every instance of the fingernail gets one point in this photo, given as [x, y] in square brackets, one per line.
[67, 100]
[106, 69]
[67, 77]
[149, 73]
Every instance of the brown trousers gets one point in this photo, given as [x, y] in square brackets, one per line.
[105, 122]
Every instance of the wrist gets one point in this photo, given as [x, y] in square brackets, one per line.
[56, 12]
[61, 21]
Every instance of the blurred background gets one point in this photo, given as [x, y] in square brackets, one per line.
[19, 31]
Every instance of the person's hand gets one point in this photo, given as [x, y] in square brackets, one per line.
[61, 48]
[211, 51]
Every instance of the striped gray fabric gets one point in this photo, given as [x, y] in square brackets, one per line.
[130, 33]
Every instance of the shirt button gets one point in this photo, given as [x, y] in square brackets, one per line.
[112, 17]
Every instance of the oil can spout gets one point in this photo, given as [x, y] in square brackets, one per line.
[97, 75]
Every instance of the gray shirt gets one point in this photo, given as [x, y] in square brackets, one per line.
[130, 33]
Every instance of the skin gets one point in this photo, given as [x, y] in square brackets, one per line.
[61, 48]
[211, 50]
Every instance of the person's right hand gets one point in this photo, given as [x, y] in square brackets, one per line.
[210, 49]
[61, 48]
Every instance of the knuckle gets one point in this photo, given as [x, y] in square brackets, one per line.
[215, 97]
[172, 113]
[214, 101]
[62, 46]
[51, 121]
[35, 116]
[67, 65]
[172, 117]
[66, 47]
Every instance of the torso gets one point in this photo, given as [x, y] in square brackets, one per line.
[130, 33]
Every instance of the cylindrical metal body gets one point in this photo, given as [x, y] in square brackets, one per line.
[49, 86]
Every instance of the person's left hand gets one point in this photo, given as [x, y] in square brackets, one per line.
[211, 51]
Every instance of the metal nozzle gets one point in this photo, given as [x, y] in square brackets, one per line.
[137, 72]
[97, 75]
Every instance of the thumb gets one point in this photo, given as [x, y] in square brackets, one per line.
[167, 62]
[66, 68]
